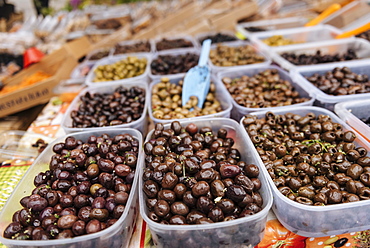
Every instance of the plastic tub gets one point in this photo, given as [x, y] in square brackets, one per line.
[215, 69]
[236, 233]
[140, 124]
[271, 24]
[17, 144]
[239, 111]
[325, 100]
[350, 16]
[82, 70]
[110, 60]
[352, 112]
[360, 46]
[117, 235]
[173, 53]
[299, 35]
[185, 37]
[317, 221]
[221, 96]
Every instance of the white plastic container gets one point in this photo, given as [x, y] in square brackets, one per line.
[236, 233]
[185, 37]
[325, 100]
[360, 46]
[77, 72]
[113, 59]
[317, 221]
[133, 42]
[173, 53]
[215, 69]
[220, 93]
[350, 16]
[301, 35]
[271, 24]
[17, 144]
[202, 36]
[239, 111]
[115, 236]
[351, 112]
[139, 124]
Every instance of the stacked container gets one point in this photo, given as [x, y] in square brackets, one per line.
[235, 233]
[115, 236]
[316, 221]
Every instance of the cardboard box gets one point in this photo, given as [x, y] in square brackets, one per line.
[59, 64]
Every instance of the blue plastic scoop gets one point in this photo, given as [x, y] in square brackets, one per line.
[197, 79]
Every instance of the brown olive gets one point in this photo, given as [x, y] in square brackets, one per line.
[354, 171]
[204, 204]
[194, 216]
[200, 188]
[161, 208]
[334, 196]
[67, 221]
[179, 208]
[167, 195]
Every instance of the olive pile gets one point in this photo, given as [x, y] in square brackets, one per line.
[225, 55]
[310, 158]
[364, 35]
[278, 40]
[166, 44]
[318, 57]
[341, 81]
[366, 121]
[167, 102]
[255, 29]
[99, 54]
[125, 68]
[84, 191]
[195, 176]
[123, 106]
[218, 37]
[142, 46]
[171, 64]
[262, 90]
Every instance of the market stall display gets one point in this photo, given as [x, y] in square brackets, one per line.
[133, 67]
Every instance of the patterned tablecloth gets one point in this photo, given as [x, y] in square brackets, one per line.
[276, 236]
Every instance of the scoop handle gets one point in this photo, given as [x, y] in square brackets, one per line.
[355, 31]
[330, 10]
[204, 54]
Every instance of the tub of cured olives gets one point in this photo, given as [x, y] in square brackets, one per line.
[317, 168]
[165, 103]
[88, 188]
[335, 83]
[121, 105]
[211, 216]
[262, 88]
